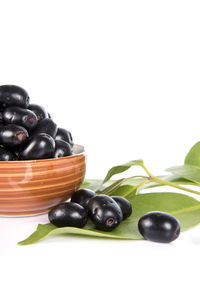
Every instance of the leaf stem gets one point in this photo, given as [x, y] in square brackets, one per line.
[111, 188]
[136, 187]
[147, 171]
[165, 182]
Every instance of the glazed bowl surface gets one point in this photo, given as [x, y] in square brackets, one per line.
[32, 187]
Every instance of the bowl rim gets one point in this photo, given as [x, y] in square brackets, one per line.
[47, 159]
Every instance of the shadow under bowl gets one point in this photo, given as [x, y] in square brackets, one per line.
[32, 187]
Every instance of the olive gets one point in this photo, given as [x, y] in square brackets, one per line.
[6, 155]
[82, 197]
[12, 95]
[104, 212]
[125, 206]
[13, 135]
[68, 214]
[39, 111]
[65, 135]
[159, 227]
[40, 146]
[62, 149]
[20, 116]
[46, 126]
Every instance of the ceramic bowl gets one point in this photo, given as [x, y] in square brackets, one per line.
[32, 187]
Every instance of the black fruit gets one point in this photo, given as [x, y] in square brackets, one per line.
[41, 146]
[20, 116]
[65, 135]
[125, 206]
[68, 214]
[46, 126]
[39, 111]
[12, 95]
[6, 155]
[1, 118]
[104, 212]
[159, 227]
[82, 197]
[13, 135]
[62, 149]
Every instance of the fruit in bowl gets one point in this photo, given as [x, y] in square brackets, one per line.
[40, 166]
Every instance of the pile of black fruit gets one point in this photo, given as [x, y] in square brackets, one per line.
[104, 211]
[27, 131]
[107, 213]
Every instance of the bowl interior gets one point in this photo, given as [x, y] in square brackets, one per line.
[78, 149]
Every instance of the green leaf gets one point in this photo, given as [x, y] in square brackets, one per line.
[124, 190]
[177, 179]
[191, 168]
[122, 168]
[188, 172]
[193, 157]
[127, 183]
[92, 184]
[185, 208]
[111, 188]
[41, 232]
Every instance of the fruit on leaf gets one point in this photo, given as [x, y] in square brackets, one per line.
[68, 214]
[125, 206]
[104, 212]
[82, 197]
[159, 227]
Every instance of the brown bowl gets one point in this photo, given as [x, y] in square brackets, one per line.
[34, 186]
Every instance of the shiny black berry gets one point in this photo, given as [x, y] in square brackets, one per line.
[82, 197]
[159, 227]
[68, 214]
[62, 149]
[12, 95]
[13, 135]
[20, 116]
[104, 212]
[65, 135]
[46, 126]
[40, 146]
[1, 118]
[125, 206]
[39, 111]
[6, 155]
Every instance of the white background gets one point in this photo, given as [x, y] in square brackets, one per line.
[123, 76]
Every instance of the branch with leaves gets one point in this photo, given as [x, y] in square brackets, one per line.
[183, 207]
